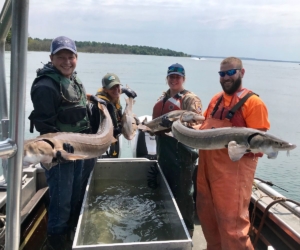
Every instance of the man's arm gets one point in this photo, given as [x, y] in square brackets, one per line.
[256, 114]
[45, 101]
[191, 102]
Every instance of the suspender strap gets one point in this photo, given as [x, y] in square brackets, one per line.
[164, 102]
[231, 112]
[181, 93]
[217, 106]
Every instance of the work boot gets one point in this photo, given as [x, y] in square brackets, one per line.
[56, 242]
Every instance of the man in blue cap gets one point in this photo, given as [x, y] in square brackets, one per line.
[60, 105]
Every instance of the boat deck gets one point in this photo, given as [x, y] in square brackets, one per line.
[199, 242]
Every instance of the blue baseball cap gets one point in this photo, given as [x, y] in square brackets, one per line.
[62, 42]
[176, 69]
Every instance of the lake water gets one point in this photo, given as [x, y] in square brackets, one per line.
[126, 211]
[278, 84]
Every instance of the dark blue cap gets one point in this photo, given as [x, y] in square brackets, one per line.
[176, 69]
[62, 42]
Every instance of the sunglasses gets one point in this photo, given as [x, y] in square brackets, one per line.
[175, 69]
[230, 72]
[175, 76]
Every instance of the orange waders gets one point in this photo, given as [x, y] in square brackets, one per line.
[223, 194]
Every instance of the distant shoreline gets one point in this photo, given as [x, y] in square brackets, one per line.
[36, 44]
[248, 58]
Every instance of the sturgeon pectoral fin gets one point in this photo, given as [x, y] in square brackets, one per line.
[272, 155]
[72, 157]
[236, 151]
[145, 120]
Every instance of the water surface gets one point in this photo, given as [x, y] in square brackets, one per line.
[276, 83]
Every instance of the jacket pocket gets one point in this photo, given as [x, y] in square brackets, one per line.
[72, 115]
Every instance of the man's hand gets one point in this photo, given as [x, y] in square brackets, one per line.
[68, 148]
[117, 131]
[129, 92]
[165, 122]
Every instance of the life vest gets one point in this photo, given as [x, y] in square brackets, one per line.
[165, 105]
[222, 116]
[72, 113]
[114, 109]
[233, 112]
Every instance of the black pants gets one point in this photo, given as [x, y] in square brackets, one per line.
[177, 162]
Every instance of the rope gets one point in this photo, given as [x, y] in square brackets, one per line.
[266, 212]
[2, 229]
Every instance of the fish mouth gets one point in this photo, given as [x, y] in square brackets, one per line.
[291, 146]
[286, 147]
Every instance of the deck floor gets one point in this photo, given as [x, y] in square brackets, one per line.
[199, 242]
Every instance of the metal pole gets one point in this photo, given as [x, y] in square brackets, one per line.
[4, 129]
[20, 9]
[5, 24]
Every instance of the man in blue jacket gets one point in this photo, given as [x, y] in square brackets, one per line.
[60, 105]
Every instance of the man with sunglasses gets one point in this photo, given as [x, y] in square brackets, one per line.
[224, 187]
[60, 105]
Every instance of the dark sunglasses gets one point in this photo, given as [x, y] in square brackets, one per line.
[230, 72]
[175, 69]
[174, 76]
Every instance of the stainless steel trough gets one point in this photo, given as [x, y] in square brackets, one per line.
[130, 170]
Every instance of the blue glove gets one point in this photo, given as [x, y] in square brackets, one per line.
[165, 122]
[58, 158]
[129, 92]
[97, 99]
[117, 131]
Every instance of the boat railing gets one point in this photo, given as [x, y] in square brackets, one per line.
[14, 15]
[294, 208]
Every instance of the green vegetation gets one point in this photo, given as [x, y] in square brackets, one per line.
[36, 44]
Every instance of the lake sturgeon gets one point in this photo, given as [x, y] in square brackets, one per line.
[185, 116]
[129, 121]
[44, 148]
[238, 140]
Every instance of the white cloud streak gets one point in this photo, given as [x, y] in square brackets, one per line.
[193, 26]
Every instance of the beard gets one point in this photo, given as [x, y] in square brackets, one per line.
[233, 88]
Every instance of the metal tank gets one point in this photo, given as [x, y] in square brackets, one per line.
[128, 170]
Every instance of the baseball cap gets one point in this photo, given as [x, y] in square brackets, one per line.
[176, 69]
[62, 42]
[109, 80]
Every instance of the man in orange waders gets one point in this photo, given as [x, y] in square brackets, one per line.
[224, 187]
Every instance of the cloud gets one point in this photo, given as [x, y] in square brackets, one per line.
[184, 25]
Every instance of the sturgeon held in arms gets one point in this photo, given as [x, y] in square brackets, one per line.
[44, 148]
[238, 140]
[129, 121]
[185, 116]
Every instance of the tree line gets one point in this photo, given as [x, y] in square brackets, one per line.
[36, 44]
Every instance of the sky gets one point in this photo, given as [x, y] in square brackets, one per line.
[268, 29]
